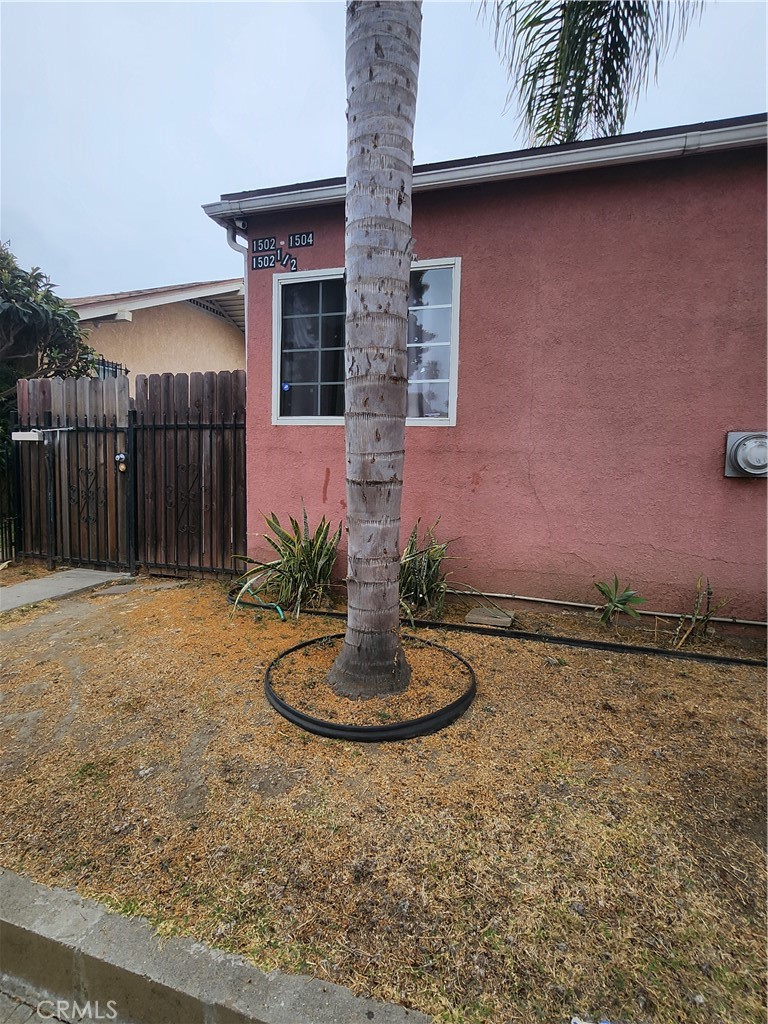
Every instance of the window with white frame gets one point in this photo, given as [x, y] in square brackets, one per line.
[308, 359]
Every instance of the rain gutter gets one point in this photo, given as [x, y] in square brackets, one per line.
[526, 164]
[233, 243]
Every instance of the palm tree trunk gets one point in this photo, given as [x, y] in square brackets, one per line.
[383, 41]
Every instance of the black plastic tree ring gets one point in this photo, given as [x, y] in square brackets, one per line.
[406, 730]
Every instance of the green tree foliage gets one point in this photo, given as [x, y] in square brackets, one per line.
[40, 334]
[578, 66]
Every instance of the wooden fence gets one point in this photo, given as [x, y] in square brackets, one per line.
[189, 437]
[157, 482]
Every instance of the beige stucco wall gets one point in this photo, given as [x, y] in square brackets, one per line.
[176, 338]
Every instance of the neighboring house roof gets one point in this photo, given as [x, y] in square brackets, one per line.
[684, 140]
[222, 298]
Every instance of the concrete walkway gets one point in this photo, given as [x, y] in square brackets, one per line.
[55, 586]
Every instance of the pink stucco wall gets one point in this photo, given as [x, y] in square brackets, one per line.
[612, 330]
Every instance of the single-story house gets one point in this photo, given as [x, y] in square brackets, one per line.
[174, 329]
[587, 326]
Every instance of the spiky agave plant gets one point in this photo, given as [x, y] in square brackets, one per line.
[618, 599]
[301, 574]
[423, 580]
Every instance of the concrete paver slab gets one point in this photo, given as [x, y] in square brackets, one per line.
[490, 617]
[55, 586]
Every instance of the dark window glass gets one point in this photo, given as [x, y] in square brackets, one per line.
[300, 400]
[332, 366]
[302, 297]
[332, 400]
[301, 332]
[333, 331]
[334, 296]
[300, 367]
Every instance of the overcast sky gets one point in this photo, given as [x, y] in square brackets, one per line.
[120, 119]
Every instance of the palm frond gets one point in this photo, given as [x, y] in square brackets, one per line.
[579, 66]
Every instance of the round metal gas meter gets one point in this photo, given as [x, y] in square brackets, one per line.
[746, 453]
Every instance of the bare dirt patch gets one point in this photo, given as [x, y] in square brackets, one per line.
[586, 839]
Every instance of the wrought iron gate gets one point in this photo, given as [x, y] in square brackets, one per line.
[157, 483]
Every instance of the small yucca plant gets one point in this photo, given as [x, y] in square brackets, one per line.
[300, 576]
[423, 582]
[618, 599]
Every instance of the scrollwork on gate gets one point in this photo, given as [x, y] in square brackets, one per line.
[184, 498]
[88, 495]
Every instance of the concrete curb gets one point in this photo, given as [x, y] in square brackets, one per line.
[56, 946]
[54, 587]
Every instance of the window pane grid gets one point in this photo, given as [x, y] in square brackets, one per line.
[312, 351]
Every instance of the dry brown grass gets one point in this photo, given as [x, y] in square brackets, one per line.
[20, 572]
[437, 680]
[586, 839]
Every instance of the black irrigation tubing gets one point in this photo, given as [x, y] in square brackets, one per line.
[596, 645]
[407, 730]
[563, 641]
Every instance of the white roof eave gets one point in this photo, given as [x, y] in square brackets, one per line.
[553, 161]
[100, 310]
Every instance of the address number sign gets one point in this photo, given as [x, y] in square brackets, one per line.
[268, 254]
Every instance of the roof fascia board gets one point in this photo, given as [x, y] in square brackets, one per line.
[634, 151]
[554, 161]
[98, 310]
[223, 211]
